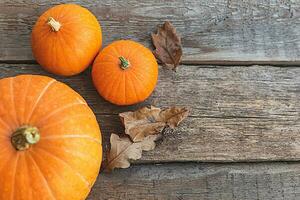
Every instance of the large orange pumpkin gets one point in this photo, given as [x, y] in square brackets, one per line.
[66, 39]
[125, 72]
[50, 142]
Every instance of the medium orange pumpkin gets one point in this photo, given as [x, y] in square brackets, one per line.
[66, 39]
[50, 142]
[125, 72]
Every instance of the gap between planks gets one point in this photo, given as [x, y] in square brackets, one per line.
[204, 64]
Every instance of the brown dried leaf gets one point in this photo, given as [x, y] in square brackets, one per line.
[151, 121]
[174, 115]
[168, 46]
[123, 150]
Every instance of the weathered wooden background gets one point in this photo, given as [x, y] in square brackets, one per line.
[240, 76]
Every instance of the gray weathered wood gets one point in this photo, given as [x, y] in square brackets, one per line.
[271, 181]
[238, 113]
[213, 31]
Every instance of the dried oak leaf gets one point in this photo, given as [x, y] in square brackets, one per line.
[168, 46]
[123, 150]
[151, 121]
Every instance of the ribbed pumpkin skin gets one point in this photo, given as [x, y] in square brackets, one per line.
[129, 86]
[65, 162]
[71, 49]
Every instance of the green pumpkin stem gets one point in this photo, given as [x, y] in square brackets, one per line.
[124, 63]
[24, 137]
[55, 25]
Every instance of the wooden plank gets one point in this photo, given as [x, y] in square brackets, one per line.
[213, 31]
[272, 181]
[238, 113]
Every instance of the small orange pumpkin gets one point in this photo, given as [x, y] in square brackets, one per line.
[50, 142]
[65, 39]
[125, 72]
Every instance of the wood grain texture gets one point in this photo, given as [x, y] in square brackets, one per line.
[272, 181]
[213, 32]
[238, 113]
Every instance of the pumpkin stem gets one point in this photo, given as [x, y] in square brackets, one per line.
[124, 63]
[55, 25]
[24, 137]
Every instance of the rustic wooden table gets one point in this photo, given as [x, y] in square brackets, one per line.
[240, 75]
